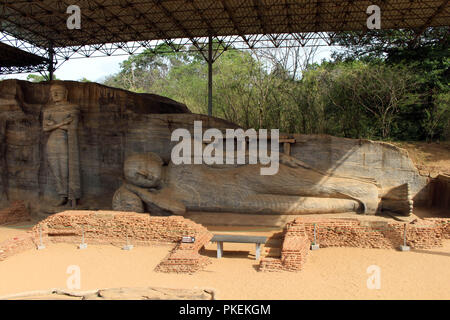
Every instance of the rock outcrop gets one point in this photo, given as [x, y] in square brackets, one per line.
[387, 164]
[147, 293]
[113, 124]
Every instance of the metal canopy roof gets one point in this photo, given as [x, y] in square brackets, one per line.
[111, 26]
[116, 27]
[40, 22]
[15, 60]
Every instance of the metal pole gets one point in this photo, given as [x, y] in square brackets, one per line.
[50, 62]
[41, 244]
[404, 247]
[314, 245]
[315, 234]
[404, 236]
[83, 245]
[210, 75]
[128, 246]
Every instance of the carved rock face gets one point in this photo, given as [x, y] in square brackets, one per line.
[115, 124]
[143, 170]
[58, 93]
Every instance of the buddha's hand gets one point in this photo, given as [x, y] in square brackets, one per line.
[141, 192]
[50, 123]
[68, 119]
[158, 198]
[66, 122]
[292, 162]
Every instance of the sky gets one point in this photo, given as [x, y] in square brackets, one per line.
[96, 69]
[93, 69]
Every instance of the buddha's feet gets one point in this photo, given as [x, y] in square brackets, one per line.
[398, 200]
[404, 207]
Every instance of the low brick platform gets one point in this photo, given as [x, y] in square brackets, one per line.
[334, 232]
[17, 245]
[183, 261]
[112, 227]
[443, 224]
[294, 251]
[184, 258]
[16, 213]
[420, 234]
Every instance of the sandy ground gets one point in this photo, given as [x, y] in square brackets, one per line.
[332, 273]
[9, 231]
[430, 158]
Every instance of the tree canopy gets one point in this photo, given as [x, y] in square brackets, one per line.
[392, 85]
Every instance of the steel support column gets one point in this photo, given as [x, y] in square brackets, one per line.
[210, 75]
[51, 67]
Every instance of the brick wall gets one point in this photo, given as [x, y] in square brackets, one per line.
[420, 234]
[294, 251]
[443, 224]
[18, 244]
[112, 227]
[299, 234]
[17, 212]
[185, 257]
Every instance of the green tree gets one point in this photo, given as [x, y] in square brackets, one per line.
[382, 94]
[84, 79]
[39, 78]
[427, 53]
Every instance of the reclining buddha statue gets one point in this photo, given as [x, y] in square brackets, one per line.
[151, 186]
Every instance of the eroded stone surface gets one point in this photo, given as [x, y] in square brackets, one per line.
[113, 124]
[125, 293]
[60, 121]
[294, 189]
[150, 293]
[387, 164]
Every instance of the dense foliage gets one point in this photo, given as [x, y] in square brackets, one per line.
[389, 86]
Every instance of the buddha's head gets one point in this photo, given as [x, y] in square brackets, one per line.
[143, 170]
[58, 93]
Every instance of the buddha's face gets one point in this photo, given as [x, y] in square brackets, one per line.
[143, 170]
[58, 94]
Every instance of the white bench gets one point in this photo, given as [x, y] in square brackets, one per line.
[221, 238]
